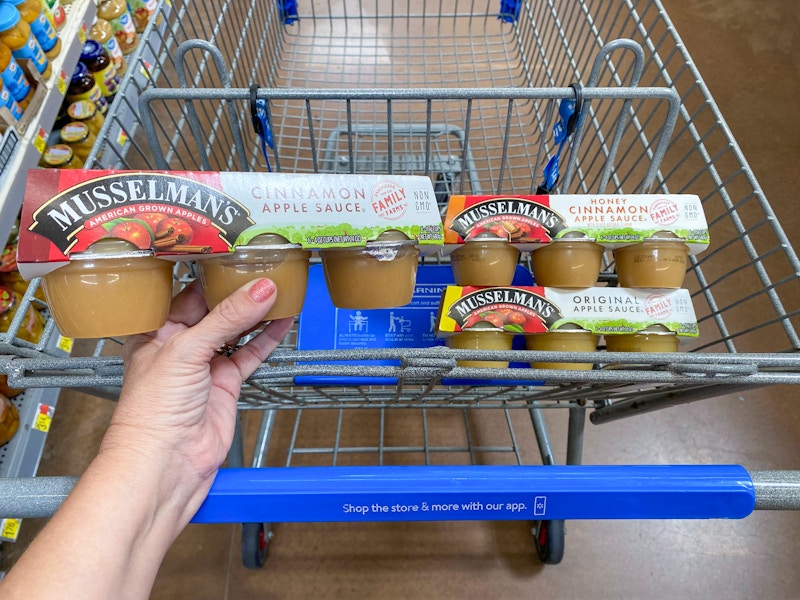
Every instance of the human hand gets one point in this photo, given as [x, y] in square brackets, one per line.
[177, 409]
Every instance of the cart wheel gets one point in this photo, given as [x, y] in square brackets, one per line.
[549, 539]
[255, 544]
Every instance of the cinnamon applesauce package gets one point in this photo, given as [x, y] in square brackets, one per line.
[529, 222]
[186, 215]
[99, 239]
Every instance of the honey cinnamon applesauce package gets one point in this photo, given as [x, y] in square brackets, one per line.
[188, 215]
[525, 310]
[611, 220]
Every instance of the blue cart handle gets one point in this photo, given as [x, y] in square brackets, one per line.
[439, 493]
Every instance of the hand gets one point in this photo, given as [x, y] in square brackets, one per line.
[177, 410]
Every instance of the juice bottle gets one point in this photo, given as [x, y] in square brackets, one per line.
[86, 112]
[54, 13]
[43, 31]
[17, 35]
[14, 78]
[142, 11]
[101, 32]
[122, 26]
[84, 87]
[100, 65]
[7, 100]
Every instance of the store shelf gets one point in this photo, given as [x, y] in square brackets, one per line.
[122, 122]
[35, 129]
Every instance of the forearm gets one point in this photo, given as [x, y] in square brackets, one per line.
[109, 537]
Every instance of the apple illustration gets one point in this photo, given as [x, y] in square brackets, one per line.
[493, 318]
[516, 318]
[174, 226]
[499, 230]
[133, 232]
[152, 219]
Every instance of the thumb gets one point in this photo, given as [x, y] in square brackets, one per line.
[239, 312]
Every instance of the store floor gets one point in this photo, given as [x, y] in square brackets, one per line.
[749, 55]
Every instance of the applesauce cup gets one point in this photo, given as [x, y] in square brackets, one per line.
[568, 263]
[481, 339]
[484, 260]
[657, 262]
[380, 275]
[266, 255]
[110, 290]
[656, 338]
[563, 340]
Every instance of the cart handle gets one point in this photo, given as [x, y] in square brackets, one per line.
[305, 494]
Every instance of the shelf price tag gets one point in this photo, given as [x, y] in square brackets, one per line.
[61, 82]
[40, 142]
[43, 418]
[9, 529]
[82, 34]
[65, 344]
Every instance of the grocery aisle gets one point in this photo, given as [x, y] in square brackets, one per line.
[749, 55]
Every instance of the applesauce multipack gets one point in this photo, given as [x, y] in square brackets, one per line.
[186, 215]
[529, 222]
[524, 310]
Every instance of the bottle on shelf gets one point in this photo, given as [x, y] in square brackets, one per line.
[86, 112]
[32, 326]
[84, 87]
[78, 137]
[142, 11]
[101, 32]
[32, 13]
[7, 100]
[54, 12]
[122, 26]
[14, 78]
[100, 65]
[60, 156]
[17, 35]
[9, 420]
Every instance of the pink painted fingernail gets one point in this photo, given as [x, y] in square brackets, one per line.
[261, 290]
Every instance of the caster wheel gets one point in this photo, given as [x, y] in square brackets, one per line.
[255, 544]
[549, 539]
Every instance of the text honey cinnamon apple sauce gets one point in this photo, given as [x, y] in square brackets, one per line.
[266, 255]
[112, 289]
[380, 275]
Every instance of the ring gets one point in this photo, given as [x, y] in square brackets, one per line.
[226, 350]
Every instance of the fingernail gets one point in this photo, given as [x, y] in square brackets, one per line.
[261, 290]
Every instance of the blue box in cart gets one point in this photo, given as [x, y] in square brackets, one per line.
[325, 327]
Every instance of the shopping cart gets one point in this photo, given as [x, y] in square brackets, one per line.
[466, 93]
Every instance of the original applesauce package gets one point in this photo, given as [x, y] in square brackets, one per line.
[601, 310]
[184, 215]
[612, 220]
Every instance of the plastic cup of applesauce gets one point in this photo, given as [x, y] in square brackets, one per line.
[656, 338]
[112, 289]
[568, 263]
[484, 260]
[656, 262]
[481, 339]
[266, 255]
[567, 339]
[380, 275]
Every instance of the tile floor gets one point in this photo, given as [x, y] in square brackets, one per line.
[749, 54]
